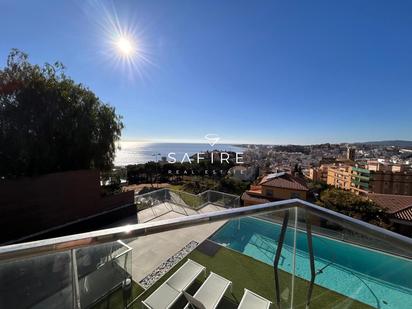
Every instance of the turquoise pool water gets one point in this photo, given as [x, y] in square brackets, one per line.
[374, 278]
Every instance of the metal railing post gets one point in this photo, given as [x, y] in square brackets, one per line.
[277, 256]
[311, 259]
[75, 280]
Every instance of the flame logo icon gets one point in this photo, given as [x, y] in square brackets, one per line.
[212, 139]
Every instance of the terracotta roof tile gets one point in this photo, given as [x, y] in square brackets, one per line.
[405, 214]
[399, 206]
[391, 202]
[250, 198]
[285, 181]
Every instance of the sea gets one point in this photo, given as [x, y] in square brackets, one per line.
[132, 152]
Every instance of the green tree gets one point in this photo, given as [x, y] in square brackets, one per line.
[49, 123]
[233, 186]
[151, 169]
[354, 206]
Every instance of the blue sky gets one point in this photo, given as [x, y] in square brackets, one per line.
[250, 71]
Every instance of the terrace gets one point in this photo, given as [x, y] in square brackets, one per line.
[292, 253]
[166, 204]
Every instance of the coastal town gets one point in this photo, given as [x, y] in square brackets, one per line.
[379, 173]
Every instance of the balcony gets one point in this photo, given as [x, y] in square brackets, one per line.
[291, 253]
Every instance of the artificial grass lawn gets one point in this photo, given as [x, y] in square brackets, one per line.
[176, 187]
[190, 200]
[258, 277]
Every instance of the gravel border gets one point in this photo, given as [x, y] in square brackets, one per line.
[163, 268]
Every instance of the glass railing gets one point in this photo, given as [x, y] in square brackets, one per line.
[76, 278]
[102, 269]
[148, 200]
[188, 203]
[333, 265]
[291, 253]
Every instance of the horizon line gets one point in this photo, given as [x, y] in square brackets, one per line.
[224, 142]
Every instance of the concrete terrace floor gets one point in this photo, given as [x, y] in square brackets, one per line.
[152, 250]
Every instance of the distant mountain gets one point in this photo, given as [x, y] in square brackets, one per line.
[397, 143]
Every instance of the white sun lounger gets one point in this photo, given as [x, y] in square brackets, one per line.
[167, 294]
[209, 294]
[252, 300]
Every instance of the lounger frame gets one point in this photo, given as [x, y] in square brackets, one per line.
[268, 302]
[202, 269]
[209, 278]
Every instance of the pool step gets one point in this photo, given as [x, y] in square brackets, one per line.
[264, 243]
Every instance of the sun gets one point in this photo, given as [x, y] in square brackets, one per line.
[125, 46]
[122, 43]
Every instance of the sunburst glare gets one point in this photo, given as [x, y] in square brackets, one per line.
[123, 43]
[125, 46]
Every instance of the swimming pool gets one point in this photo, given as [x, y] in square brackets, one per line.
[371, 277]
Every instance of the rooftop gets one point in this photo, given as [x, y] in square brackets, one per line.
[399, 206]
[256, 199]
[285, 181]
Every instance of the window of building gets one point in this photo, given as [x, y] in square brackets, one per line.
[269, 192]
